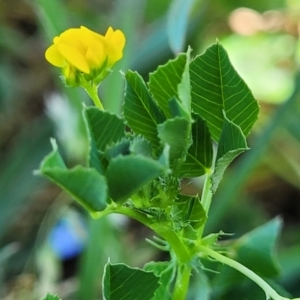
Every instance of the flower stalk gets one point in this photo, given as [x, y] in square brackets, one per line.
[92, 91]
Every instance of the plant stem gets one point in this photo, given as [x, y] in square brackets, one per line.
[173, 239]
[182, 282]
[182, 255]
[206, 199]
[175, 242]
[206, 193]
[270, 292]
[92, 91]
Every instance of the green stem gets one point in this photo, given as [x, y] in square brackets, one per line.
[92, 91]
[182, 255]
[206, 193]
[270, 292]
[175, 242]
[206, 199]
[182, 282]
[173, 239]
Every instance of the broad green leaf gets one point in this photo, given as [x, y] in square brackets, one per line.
[164, 271]
[217, 87]
[200, 153]
[232, 143]
[251, 159]
[176, 133]
[102, 128]
[256, 249]
[127, 174]
[119, 148]
[178, 19]
[165, 80]
[86, 185]
[177, 110]
[129, 145]
[140, 110]
[121, 282]
[139, 145]
[184, 87]
[51, 297]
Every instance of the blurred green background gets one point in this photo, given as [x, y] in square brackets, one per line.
[47, 243]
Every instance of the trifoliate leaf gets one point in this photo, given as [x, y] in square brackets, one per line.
[217, 87]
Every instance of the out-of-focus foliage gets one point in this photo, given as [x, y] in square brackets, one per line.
[262, 39]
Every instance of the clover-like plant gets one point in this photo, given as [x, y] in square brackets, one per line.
[191, 119]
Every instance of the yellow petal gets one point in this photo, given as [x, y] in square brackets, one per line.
[73, 38]
[95, 47]
[115, 44]
[74, 57]
[90, 37]
[81, 49]
[54, 57]
[116, 38]
[95, 56]
[109, 33]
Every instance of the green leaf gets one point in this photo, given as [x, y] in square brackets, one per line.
[127, 174]
[178, 18]
[51, 297]
[120, 148]
[129, 145]
[232, 143]
[189, 210]
[217, 87]
[139, 145]
[256, 249]
[121, 282]
[200, 153]
[103, 128]
[177, 110]
[188, 215]
[140, 110]
[165, 80]
[164, 271]
[184, 87]
[87, 186]
[197, 214]
[176, 133]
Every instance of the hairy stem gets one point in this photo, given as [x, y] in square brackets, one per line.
[206, 193]
[206, 199]
[270, 292]
[181, 252]
[182, 282]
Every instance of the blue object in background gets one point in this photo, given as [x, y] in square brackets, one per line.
[69, 235]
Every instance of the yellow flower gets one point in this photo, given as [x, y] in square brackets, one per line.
[85, 55]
